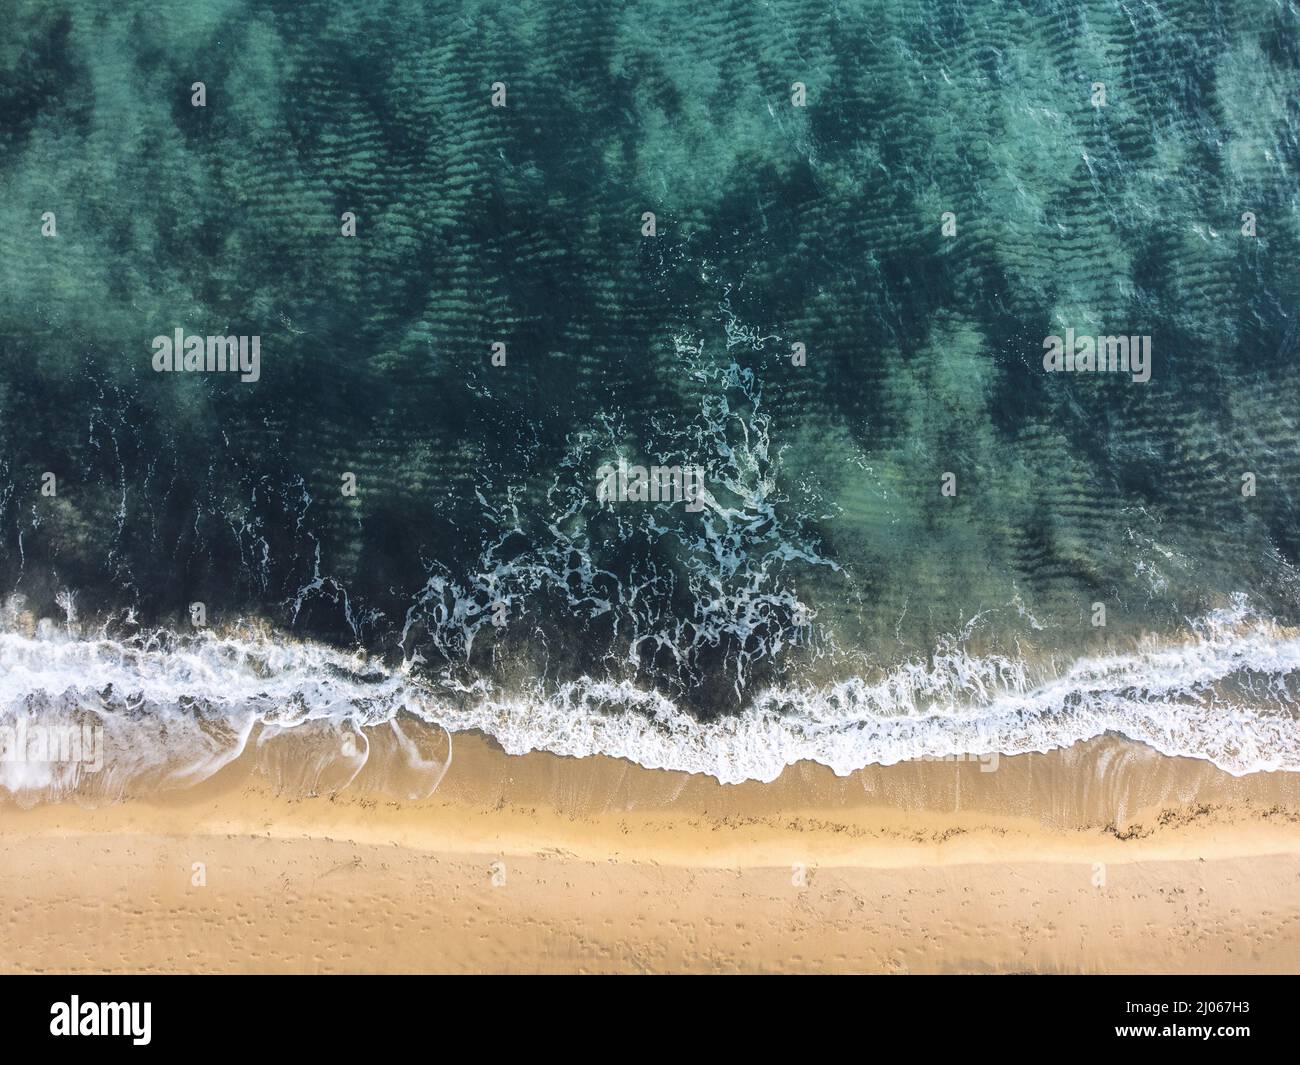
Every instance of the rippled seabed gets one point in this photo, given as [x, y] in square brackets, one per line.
[830, 601]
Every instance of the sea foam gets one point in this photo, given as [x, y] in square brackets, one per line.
[174, 710]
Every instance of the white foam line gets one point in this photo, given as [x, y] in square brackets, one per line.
[192, 702]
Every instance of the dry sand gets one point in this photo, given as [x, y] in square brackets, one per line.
[1106, 857]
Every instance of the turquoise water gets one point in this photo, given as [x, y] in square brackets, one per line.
[867, 221]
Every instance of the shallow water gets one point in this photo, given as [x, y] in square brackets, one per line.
[908, 525]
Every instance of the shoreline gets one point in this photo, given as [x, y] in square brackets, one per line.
[1104, 857]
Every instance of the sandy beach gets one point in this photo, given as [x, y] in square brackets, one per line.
[1105, 857]
[472, 474]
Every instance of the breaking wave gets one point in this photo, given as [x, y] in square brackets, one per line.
[173, 710]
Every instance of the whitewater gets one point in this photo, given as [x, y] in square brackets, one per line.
[175, 709]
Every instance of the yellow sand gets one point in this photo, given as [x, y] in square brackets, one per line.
[1102, 858]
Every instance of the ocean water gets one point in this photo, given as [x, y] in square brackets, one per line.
[808, 253]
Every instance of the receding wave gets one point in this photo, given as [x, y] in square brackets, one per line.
[172, 710]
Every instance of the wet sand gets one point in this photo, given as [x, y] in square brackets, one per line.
[1105, 857]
